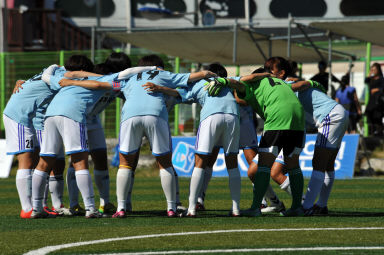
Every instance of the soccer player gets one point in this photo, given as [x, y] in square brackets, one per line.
[331, 121]
[146, 114]
[283, 130]
[23, 117]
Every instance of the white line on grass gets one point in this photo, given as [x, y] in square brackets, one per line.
[252, 250]
[48, 249]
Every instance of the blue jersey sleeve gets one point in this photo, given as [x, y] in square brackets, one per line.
[178, 80]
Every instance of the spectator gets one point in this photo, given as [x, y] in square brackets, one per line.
[374, 108]
[322, 77]
[347, 97]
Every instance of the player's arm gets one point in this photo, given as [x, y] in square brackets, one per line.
[129, 72]
[239, 100]
[303, 85]
[88, 84]
[151, 88]
[47, 74]
[255, 76]
[201, 75]
[79, 74]
[357, 103]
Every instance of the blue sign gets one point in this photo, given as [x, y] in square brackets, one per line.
[184, 150]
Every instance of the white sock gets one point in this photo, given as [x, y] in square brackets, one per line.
[197, 179]
[129, 196]
[264, 202]
[46, 193]
[235, 188]
[73, 190]
[271, 195]
[314, 187]
[326, 189]
[39, 180]
[102, 183]
[286, 186]
[207, 178]
[56, 187]
[23, 185]
[168, 183]
[177, 187]
[123, 182]
[84, 183]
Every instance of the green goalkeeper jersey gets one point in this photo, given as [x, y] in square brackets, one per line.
[276, 103]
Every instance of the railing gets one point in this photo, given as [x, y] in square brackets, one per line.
[43, 29]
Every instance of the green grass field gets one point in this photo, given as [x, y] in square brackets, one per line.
[357, 204]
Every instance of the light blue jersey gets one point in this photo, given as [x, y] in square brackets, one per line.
[75, 102]
[139, 102]
[28, 106]
[222, 103]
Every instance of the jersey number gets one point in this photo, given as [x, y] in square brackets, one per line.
[273, 82]
[152, 74]
[29, 144]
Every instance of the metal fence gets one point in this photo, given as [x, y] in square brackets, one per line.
[23, 65]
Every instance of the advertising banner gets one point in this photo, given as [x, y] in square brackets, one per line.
[184, 155]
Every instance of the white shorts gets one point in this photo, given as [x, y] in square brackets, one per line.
[40, 137]
[96, 139]
[218, 130]
[248, 136]
[332, 129]
[19, 138]
[59, 131]
[154, 128]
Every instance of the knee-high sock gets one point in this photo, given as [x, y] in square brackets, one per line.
[314, 187]
[326, 188]
[235, 188]
[128, 203]
[46, 193]
[102, 184]
[123, 182]
[167, 177]
[73, 190]
[207, 178]
[84, 183]
[261, 182]
[286, 186]
[24, 185]
[195, 186]
[56, 188]
[39, 180]
[177, 187]
[297, 184]
[271, 195]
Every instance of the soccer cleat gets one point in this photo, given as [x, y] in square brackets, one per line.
[279, 207]
[49, 211]
[107, 209]
[92, 213]
[119, 214]
[234, 213]
[318, 210]
[42, 214]
[77, 210]
[298, 212]
[180, 207]
[25, 215]
[200, 207]
[251, 212]
[188, 213]
[62, 211]
[171, 214]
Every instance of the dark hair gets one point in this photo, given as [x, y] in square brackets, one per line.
[322, 65]
[151, 60]
[218, 69]
[280, 63]
[378, 67]
[102, 69]
[260, 70]
[117, 62]
[344, 81]
[78, 63]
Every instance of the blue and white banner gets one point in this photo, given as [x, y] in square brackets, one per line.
[184, 155]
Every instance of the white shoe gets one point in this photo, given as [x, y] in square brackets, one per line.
[92, 213]
[62, 211]
[274, 208]
[180, 207]
[42, 214]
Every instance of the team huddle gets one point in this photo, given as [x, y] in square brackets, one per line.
[57, 112]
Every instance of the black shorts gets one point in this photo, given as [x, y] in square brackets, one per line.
[290, 141]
